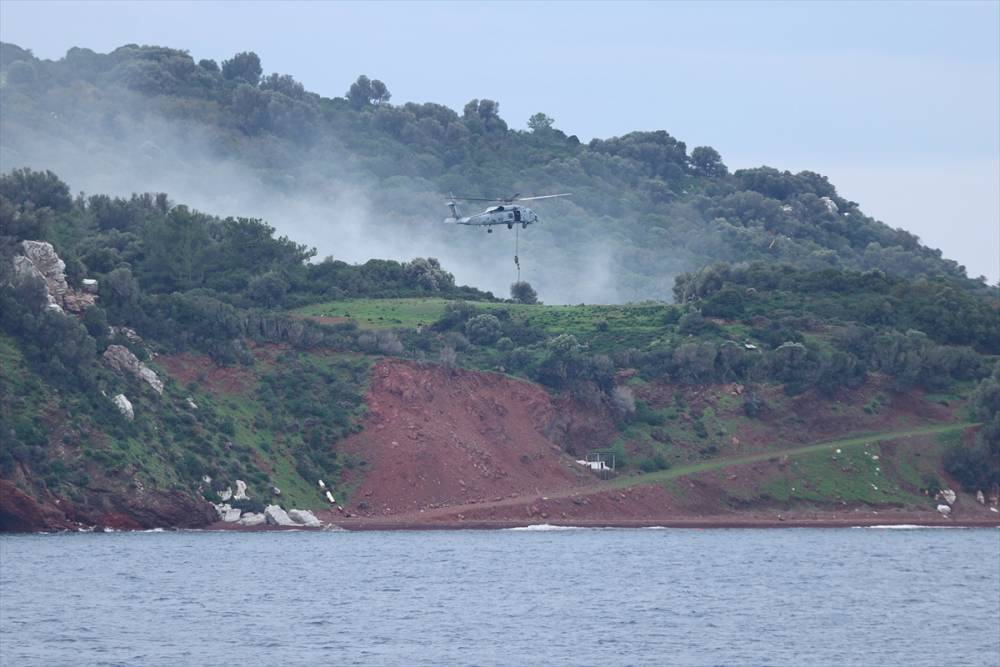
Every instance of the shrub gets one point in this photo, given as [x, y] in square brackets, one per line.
[483, 329]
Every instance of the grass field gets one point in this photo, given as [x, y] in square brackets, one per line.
[814, 476]
[602, 327]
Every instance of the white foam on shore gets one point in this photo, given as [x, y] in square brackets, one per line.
[545, 527]
[908, 526]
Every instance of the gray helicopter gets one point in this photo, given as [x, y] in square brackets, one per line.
[505, 211]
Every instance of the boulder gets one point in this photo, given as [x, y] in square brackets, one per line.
[944, 509]
[89, 285]
[191, 404]
[948, 496]
[124, 406]
[278, 517]
[226, 494]
[231, 515]
[304, 517]
[241, 490]
[40, 259]
[253, 519]
[44, 257]
[121, 360]
[831, 205]
[980, 498]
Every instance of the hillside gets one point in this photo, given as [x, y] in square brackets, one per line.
[157, 360]
[361, 176]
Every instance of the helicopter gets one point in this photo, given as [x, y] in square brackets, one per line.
[505, 211]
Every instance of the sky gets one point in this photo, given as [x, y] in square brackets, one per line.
[898, 103]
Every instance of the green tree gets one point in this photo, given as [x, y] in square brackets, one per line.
[523, 292]
[706, 161]
[540, 123]
[244, 67]
[483, 329]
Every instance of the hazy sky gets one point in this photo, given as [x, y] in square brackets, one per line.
[899, 103]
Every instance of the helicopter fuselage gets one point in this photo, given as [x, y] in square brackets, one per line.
[501, 214]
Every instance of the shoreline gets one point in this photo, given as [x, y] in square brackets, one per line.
[699, 523]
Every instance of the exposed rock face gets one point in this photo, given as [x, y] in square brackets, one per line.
[20, 513]
[253, 519]
[944, 509]
[241, 490]
[831, 205]
[43, 256]
[948, 496]
[305, 517]
[89, 285]
[124, 406]
[121, 360]
[40, 258]
[277, 516]
[231, 515]
[980, 498]
[227, 494]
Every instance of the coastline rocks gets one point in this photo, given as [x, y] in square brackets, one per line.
[253, 519]
[980, 498]
[944, 510]
[304, 517]
[226, 494]
[241, 491]
[121, 360]
[124, 406]
[277, 516]
[227, 512]
[948, 496]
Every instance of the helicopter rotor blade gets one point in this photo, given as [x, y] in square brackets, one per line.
[562, 194]
[477, 198]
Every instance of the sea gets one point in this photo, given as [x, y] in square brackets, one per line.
[537, 596]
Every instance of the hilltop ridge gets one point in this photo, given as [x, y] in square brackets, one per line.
[361, 176]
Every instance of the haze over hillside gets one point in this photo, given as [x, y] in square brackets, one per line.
[361, 177]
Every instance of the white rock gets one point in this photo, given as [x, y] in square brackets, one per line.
[231, 515]
[329, 496]
[48, 263]
[980, 498]
[222, 508]
[275, 491]
[120, 359]
[948, 496]
[831, 205]
[944, 509]
[241, 490]
[322, 485]
[226, 494]
[124, 406]
[277, 516]
[89, 285]
[305, 517]
[191, 404]
[206, 479]
[253, 519]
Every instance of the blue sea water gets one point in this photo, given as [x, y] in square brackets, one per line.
[517, 597]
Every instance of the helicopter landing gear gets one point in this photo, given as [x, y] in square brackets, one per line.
[510, 225]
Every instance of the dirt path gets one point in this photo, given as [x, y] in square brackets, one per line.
[424, 516]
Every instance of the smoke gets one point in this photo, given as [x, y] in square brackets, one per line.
[318, 200]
